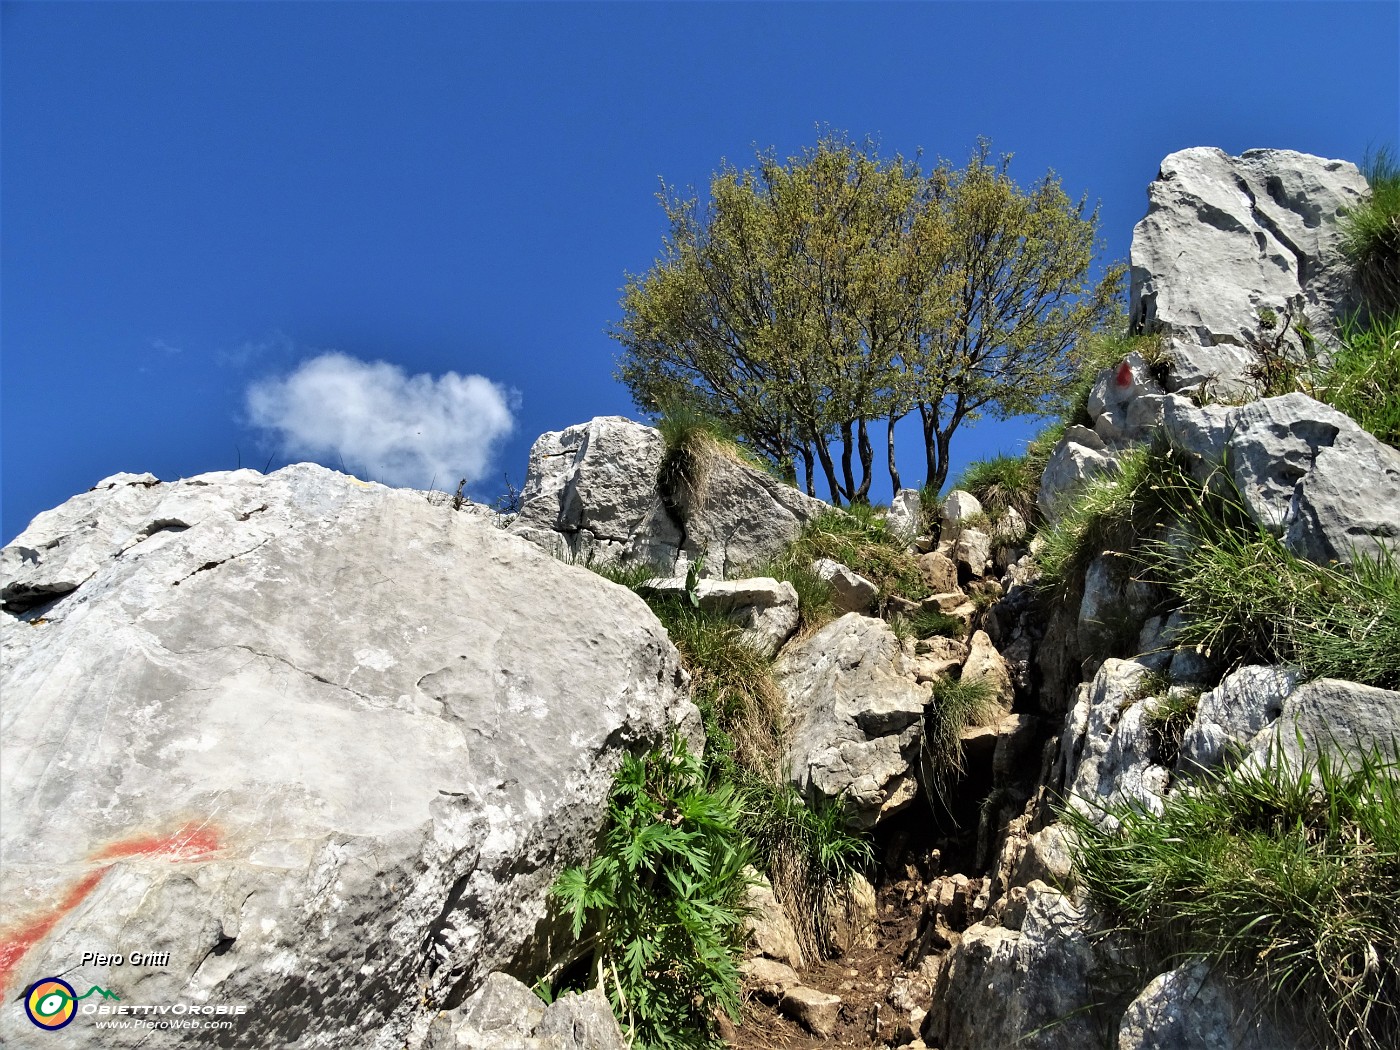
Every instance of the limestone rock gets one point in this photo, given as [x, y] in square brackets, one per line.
[852, 918]
[1225, 237]
[1106, 746]
[764, 607]
[973, 550]
[1233, 713]
[1078, 456]
[591, 494]
[955, 509]
[985, 664]
[1190, 1009]
[905, 518]
[329, 747]
[855, 716]
[815, 1011]
[851, 591]
[1031, 987]
[940, 572]
[1303, 470]
[770, 931]
[505, 1015]
[1113, 600]
[1341, 719]
[768, 977]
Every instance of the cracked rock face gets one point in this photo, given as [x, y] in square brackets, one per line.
[591, 493]
[855, 714]
[1225, 237]
[324, 743]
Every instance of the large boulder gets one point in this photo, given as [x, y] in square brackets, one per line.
[591, 494]
[1232, 714]
[1304, 471]
[1107, 744]
[1027, 983]
[855, 715]
[505, 1015]
[1189, 1008]
[324, 743]
[1225, 238]
[1344, 720]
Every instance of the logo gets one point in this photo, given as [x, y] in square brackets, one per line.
[51, 1002]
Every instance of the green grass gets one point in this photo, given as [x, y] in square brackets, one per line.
[1289, 881]
[1111, 513]
[1363, 377]
[1167, 721]
[693, 441]
[816, 604]
[1247, 598]
[927, 623]
[808, 853]
[1371, 233]
[956, 705]
[1003, 483]
[858, 539]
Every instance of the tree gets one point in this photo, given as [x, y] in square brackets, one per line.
[810, 298]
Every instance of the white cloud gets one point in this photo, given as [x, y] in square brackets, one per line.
[396, 428]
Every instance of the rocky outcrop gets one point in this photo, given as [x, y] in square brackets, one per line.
[319, 740]
[591, 495]
[1190, 1009]
[1226, 238]
[505, 1015]
[765, 608]
[855, 714]
[1302, 470]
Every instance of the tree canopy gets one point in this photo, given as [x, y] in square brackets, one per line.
[808, 299]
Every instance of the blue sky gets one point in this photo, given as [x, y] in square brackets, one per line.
[199, 199]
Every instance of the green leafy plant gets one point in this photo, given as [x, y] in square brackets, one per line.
[1289, 879]
[1371, 233]
[662, 900]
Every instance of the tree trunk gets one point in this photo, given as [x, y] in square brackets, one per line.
[824, 454]
[807, 467]
[929, 418]
[889, 451]
[944, 438]
[847, 448]
[867, 463]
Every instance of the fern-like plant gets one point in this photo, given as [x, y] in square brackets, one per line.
[663, 900]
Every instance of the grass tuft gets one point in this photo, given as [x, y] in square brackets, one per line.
[1371, 233]
[1289, 880]
[955, 706]
[1003, 483]
[858, 539]
[1363, 377]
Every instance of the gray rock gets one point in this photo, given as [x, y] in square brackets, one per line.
[855, 716]
[985, 664]
[768, 977]
[815, 1011]
[505, 1015]
[940, 572]
[1107, 747]
[329, 746]
[1031, 987]
[973, 550]
[765, 608]
[770, 931]
[591, 494]
[1078, 456]
[1227, 236]
[850, 591]
[905, 518]
[955, 509]
[1113, 600]
[1302, 470]
[1341, 719]
[1232, 714]
[1190, 1009]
